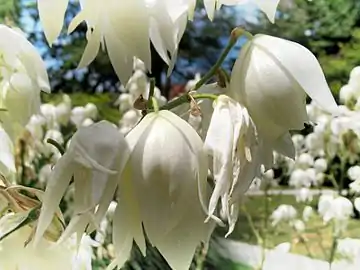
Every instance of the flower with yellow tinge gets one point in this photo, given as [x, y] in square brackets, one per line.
[271, 78]
[23, 76]
[267, 6]
[164, 191]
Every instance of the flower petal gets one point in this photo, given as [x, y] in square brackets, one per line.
[302, 65]
[52, 13]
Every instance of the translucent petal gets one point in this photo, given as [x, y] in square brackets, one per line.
[52, 14]
[127, 223]
[55, 189]
[91, 49]
[268, 7]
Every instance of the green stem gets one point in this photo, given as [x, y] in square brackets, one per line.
[155, 104]
[342, 173]
[333, 252]
[235, 34]
[57, 145]
[333, 181]
[252, 226]
[151, 93]
[186, 98]
[259, 239]
[333, 246]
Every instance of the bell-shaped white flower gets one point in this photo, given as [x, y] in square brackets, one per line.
[267, 6]
[52, 13]
[271, 77]
[94, 159]
[121, 26]
[164, 189]
[23, 76]
[232, 142]
[283, 213]
[337, 209]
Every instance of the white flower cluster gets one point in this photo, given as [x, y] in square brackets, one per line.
[127, 27]
[160, 159]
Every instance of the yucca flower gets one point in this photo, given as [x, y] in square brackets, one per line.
[23, 76]
[94, 161]
[236, 150]
[271, 78]
[164, 190]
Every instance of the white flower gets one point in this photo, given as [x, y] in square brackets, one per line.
[165, 180]
[357, 204]
[299, 178]
[107, 27]
[298, 141]
[320, 165]
[232, 142]
[304, 195]
[267, 6]
[45, 173]
[354, 173]
[52, 13]
[82, 253]
[271, 78]
[94, 160]
[63, 113]
[36, 127]
[48, 111]
[7, 155]
[48, 149]
[349, 250]
[87, 122]
[307, 213]
[338, 209]
[23, 76]
[168, 20]
[298, 225]
[283, 212]
[305, 161]
[347, 93]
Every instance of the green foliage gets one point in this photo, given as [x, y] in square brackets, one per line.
[9, 11]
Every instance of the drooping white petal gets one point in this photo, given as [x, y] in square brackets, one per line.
[52, 13]
[268, 7]
[168, 173]
[302, 66]
[55, 190]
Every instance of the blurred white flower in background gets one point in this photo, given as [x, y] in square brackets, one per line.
[283, 213]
